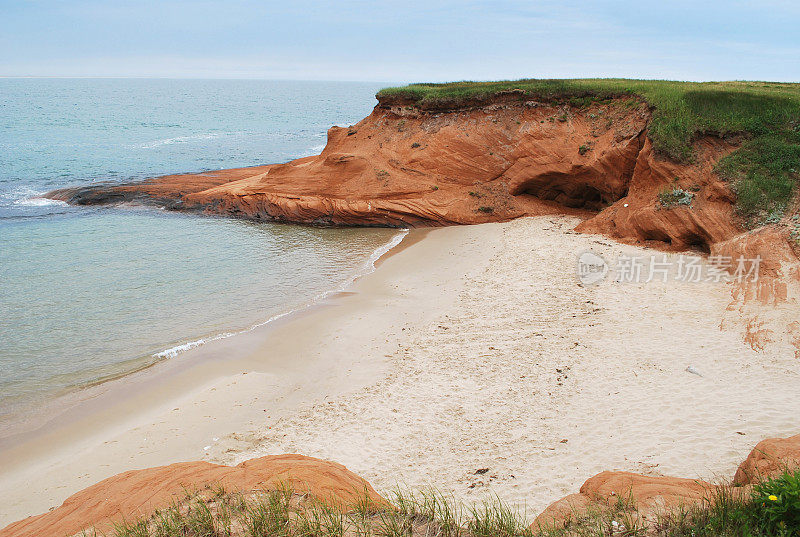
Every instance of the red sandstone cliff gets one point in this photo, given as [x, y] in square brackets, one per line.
[403, 166]
[495, 161]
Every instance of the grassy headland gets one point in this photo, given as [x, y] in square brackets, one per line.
[764, 171]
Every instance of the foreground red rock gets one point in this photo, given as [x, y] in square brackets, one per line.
[139, 492]
[649, 494]
[770, 458]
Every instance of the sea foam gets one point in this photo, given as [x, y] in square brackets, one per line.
[40, 202]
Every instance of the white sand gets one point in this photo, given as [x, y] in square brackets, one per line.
[443, 361]
[478, 386]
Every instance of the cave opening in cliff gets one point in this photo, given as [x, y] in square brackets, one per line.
[696, 242]
[566, 190]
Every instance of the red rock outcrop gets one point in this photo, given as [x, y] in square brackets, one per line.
[493, 160]
[639, 218]
[138, 493]
[765, 310]
[770, 457]
[647, 494]
[402, 166]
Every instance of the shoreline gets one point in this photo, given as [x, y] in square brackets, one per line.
[471, 348]
[112, 403]
[25, 424]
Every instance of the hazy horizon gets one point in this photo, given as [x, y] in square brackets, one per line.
[354, 81]
[433, 40]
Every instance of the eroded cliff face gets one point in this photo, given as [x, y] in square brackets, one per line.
[495, 160]
[640, 218]
[402, 166]
[405, 166]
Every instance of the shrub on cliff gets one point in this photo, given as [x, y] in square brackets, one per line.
[674, 197]
[776, 503]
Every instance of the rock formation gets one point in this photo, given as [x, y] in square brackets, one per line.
[139, 493]
[645, 494]
[497, 159]
[650, 496]
[402, 166]
[770, 457]
[492, 160]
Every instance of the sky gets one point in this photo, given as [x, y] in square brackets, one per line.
[401, 40]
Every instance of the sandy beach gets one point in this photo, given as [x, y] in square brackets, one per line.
[469, 348]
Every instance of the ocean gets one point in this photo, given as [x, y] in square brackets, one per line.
[88, 294]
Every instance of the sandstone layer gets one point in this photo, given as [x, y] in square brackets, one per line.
[770, 457]
[608, 490]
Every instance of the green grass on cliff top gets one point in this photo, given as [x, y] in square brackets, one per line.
[764, 171]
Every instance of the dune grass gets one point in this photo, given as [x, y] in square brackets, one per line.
[284, 513]
[771, 509]
[764, 171]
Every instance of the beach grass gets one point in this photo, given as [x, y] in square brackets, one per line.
[764, 171]
[771, 508]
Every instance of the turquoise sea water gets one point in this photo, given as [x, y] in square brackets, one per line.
[88, 293]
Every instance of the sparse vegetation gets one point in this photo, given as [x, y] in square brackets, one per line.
[285, 513]
[770, 509]
[764, 171]
[415, 145]
[486, 209]
[794, 234]
[673, 197]
[585, 148]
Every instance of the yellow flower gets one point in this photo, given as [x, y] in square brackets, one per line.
[773, 497]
